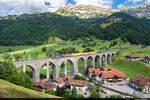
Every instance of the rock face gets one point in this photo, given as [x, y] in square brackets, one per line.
[85, 11]
[89, 11]
[138, 11]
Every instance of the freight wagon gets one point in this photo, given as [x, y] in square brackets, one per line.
[73, 54]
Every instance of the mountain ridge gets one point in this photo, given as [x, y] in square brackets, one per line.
[89, 11]
[37, 28]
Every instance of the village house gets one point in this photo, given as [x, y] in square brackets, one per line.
[132, 57]
[107, 75]
[81, 85]
[103, 48]
[44, 84]
[141, 83]
[147, 59]
[140, 51]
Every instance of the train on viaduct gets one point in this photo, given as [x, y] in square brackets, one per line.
[35, 65]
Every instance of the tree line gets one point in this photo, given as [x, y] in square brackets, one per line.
[35, 29]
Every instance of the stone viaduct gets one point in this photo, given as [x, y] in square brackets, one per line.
[35, 65]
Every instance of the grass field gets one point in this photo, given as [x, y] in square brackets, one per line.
[130, 68]
[31, 49]
[9, 90]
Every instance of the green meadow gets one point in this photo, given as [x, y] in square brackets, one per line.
[119, 62]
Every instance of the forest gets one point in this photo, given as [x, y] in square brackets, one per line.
[36, 29]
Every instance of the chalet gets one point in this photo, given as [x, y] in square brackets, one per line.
[118, 48]
[45, 80]
[103, 48]
[45, 84]
[67, 81]
[38, 86]
[107, 75]
[141, 83]
[62, 80]
[132, 57]
[140, 51]
[147, 59]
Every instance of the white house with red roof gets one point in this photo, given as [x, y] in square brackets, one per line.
[140, 82]
[106, 74]
[81, 85]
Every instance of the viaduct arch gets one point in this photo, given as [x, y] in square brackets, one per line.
[103, 58]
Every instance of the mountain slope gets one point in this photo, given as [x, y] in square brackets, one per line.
[9, 90]
[138, 11]
[89, 11]
[135, 30]
[85, 11]
[35, 29]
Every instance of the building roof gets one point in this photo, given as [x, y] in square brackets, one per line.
[52, 86]
[36, 83]
[45, 80]
[60, 80]
[41, 84]
[106, 75]
[44, 86]
[107, 72]
[95, 70]
[91, 70]
[79, 83]
[140, 80]
[69, 80]
[140, 51]
[147, 57]
[133, 56]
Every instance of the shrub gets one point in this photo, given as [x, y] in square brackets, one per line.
[79, 77]
[79, 96]
[8, 72]
[83, 46]
[44, 49]
[7, 69]
[8, 57]
[61, 91]
[18, 56]
[52, 92]
[91, 79]
[10, 49]
[74, 91]
[35, 55]
[49, 53]
[67, 94]
[21, 79]
[115, 96]
[94, 94]
[88, 50]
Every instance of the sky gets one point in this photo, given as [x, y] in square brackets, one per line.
[17, 7]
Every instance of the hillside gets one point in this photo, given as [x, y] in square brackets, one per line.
[89, 11]
[85, 11]
[124, 26]
[36, 29]
[9, 90]
[138, 11]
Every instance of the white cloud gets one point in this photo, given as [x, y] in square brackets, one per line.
[100, 3]
[134, 1]
[121, 6]
[16, 7]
